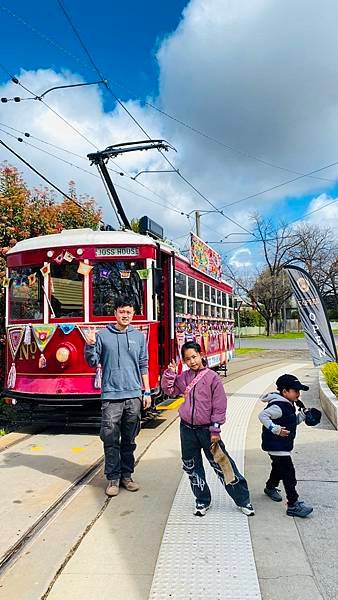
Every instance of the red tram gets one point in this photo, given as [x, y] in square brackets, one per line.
[59, 285]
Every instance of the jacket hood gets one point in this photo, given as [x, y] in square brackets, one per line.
[271, 396]
[113, 329]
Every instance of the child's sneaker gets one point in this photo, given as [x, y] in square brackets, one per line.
[248, 510]
[274, 494]
[201, 510]
[299, 509]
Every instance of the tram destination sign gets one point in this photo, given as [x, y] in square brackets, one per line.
[117, 251]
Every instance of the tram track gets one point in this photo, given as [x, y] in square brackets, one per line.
[13, 553]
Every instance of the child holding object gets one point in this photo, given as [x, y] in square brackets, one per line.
[280, 421]
[202, 414]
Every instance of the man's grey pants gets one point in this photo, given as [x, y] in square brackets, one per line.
[119, 427]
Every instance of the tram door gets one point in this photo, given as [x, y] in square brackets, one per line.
[165, 309]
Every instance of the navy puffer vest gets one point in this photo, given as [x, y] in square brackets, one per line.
[271, 441]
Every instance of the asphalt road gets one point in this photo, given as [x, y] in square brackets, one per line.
[274, 344]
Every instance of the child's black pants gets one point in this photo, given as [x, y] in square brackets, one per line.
[283, 470]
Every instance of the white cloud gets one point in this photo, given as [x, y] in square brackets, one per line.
[326, 209]
[241, 258]
[258, 75]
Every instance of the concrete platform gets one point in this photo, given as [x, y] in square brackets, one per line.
[126, 550]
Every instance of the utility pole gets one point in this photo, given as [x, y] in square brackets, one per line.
[198, 222]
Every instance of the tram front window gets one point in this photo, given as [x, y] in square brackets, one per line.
[66, 294]
[117, 278]
[25, 294]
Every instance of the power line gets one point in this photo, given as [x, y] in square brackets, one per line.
[16, 80]
[89, 172]
[45, 179]
[142, 128]
[93, 67]
[280, 185]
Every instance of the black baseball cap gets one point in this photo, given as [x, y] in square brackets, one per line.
[286, 382]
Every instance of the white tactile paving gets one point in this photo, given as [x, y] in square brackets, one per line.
[212, 557]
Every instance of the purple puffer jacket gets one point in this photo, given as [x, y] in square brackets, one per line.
[206, 403]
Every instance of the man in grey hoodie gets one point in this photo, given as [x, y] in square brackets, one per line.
[121, 350]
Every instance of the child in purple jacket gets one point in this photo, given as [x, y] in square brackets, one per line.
[202, 414]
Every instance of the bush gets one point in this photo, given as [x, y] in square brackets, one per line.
[330, 371]
[251, 318]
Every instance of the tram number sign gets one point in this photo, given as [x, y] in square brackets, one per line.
[116, 251]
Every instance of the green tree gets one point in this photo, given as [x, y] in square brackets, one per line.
[26, 213]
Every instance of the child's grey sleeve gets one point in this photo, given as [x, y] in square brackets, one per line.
[267, 415]
[300, 417]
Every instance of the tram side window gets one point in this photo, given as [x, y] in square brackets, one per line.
[219, 297]
[180, 283]
[224, 299]
[179, 305]
[191, 287]
[66, 290]
[191, 307]
[25, 294]
[200, 290]
[206, 293]
[113, 279]
[199, 308]
[213, 295]
[230, 301]
[207, 310]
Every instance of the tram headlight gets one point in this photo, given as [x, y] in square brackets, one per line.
[62, 354]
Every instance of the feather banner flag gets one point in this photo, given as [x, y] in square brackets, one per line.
[312, 312]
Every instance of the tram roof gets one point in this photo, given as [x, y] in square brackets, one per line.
[84, 237]
[91, 237]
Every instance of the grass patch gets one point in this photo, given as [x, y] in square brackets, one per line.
[276, 336]
[2, 432]
[330, 371]
[292, 335]
[241, 351]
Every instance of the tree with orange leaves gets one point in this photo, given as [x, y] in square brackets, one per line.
[26, 213]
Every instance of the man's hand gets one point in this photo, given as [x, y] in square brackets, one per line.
[215, 438]
[284, 432]
[146, 401]
[91, 336]
[172, 366]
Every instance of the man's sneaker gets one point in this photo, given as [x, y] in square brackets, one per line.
[274, 494]
[248, 510]
[113, 488]
[299, 509]
[201, 510]
[129, 484]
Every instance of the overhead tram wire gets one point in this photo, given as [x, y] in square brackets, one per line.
[90, 172]
[45, 179]
[142, 128]
[156, 108]
[18, 82]
[279, 185]
[120, 172]
[84, 137]
[46, 38]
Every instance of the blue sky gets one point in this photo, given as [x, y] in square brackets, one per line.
[122, 37]
[246, 74]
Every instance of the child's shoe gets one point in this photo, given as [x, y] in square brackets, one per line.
[299, 509]
[201, 510]
[274, 494]
[248, 510]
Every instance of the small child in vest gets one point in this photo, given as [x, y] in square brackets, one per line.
[280, 420]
